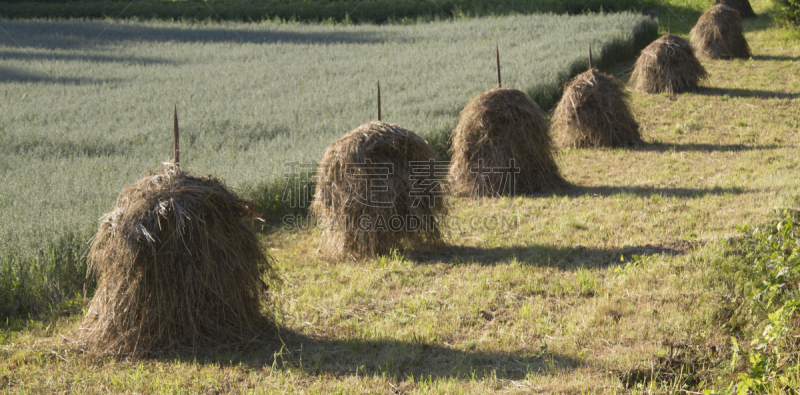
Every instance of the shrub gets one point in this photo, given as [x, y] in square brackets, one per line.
[789, 10]
[773, 276]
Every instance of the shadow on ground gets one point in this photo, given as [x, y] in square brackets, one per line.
[398, 360]
[776, 58]
[663, 147]
[710, 91]
[10, 74]
[81, 57]
[642, 191]
[88, 34]
[565, 258]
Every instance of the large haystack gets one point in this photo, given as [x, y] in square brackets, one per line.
[743, 7]
[718, 34]
[178, 266]
[501, 146]
[594, 112]
[667, 65]
[378, 188]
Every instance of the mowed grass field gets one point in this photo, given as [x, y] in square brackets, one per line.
[86, 108]
[578, 292]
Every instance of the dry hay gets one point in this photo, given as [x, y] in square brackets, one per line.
[377, 190]
[498, 128]
[594, 112]
[743, 7]
[718, 34]
[667, 65]
[178, 266]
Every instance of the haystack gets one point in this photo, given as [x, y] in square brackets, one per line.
[667, 65]
[594, 112]
[501, 146]
[178, 266]
[378, 189]
[718, 34]
[743, 7]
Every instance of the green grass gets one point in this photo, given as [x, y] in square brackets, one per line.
[86, 106]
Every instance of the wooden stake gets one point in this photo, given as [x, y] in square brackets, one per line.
[669, 25]
[379, 100]
[497, 57]
[177, 145]
[590, 56]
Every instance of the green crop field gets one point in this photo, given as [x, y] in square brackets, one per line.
[669, 267]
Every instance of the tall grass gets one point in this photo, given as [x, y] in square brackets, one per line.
[86, 107]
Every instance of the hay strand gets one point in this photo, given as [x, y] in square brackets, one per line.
[501, 146]
[594, 112]
[667, 65]
[718, 34]
[377, 190]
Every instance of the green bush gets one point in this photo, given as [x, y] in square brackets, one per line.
[789, 10]
[773, 280]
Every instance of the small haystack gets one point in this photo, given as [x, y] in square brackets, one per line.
[378, 188]
[594, 112]
[743, 7]
[501, 146]
[667, 65]
[718, 34]
[178, 266]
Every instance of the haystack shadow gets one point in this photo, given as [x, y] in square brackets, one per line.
[777, 58]
[398, 360]
[740, 93]
[642, 191]
[560, 257]
[700, 147]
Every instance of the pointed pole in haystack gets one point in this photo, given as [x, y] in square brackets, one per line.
[590, 57]
[379, 100]
[177, 145]
[497, 57]
[669, 25]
